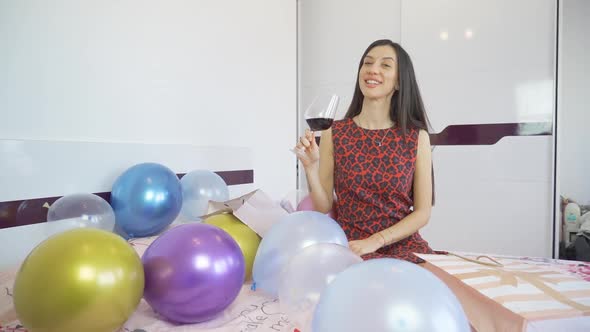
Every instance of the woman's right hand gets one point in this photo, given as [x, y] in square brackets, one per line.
[308, 151]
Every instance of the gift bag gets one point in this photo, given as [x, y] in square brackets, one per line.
[255, 209]
[508, 293]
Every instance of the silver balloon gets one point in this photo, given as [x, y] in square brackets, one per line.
[388, 295]
[89, 210]
[198, 188]
[306, 275]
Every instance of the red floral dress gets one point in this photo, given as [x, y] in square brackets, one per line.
[373, 180]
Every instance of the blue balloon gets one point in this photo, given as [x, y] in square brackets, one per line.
[287, 237]
[146, 199]
[388, 295]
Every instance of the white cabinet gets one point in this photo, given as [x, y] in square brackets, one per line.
[480, 63]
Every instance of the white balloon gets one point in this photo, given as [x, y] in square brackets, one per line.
[305, 277]
[388, 295]
[88, 210]
[289, 235]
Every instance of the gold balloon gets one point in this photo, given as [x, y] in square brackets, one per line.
[246, 238]
[79, 280]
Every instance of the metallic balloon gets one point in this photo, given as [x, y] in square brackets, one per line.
[91, 211]
[192, 272]
[306, 275]
[290, 234]
[388, 295]
[198, 188]
[79, 280]
[246, 238]
[146, 199]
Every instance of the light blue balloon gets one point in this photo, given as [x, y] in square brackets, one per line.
[198, 188]
[305, 277]
[388, 295]
[288, 236]
[146, 199]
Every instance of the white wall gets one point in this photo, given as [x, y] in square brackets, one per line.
[493, 199]
[200, 73]
[332, 38]
[573, 123]
[32, 169]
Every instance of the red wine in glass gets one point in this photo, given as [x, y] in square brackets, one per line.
[317, 124]
[320, 114]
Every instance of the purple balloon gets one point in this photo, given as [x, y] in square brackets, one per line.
[192, 272]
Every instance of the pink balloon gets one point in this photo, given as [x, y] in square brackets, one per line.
[306, 204]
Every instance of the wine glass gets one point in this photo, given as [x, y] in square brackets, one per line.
[320, 113]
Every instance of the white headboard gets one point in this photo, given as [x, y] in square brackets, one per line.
[37, 171]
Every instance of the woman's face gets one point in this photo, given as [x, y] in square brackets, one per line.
[378, 74]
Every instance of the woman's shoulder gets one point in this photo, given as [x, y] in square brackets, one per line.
[344, 123]
[423, 137]
[340, 124]
[418, 138]
[416, 133]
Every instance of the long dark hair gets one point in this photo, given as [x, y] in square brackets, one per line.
[406, 109]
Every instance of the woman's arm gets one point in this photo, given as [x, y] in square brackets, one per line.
[318, 163]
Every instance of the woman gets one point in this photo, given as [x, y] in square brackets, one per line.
[377, 160]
